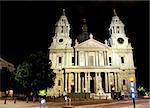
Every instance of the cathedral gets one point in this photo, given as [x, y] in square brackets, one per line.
[90, 66]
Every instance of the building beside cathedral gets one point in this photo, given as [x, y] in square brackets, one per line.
[4, 67]
[91, 66]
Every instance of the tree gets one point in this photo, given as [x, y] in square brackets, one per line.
[141, 91]
[35, 73]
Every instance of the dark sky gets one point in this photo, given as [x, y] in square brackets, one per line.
[27, 27]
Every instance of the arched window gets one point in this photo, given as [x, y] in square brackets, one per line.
[124, 82]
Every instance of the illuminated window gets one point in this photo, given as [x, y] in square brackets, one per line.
[124, 82]
[122, 59]
[60, 60]
[59, 83]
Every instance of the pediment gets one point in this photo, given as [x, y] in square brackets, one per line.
[92, 44]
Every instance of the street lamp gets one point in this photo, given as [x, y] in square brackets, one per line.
[132, 90]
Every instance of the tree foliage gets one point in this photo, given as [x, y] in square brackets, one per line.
[35, 73]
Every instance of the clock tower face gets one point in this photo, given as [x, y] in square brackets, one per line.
[120, 40]
[60, 40]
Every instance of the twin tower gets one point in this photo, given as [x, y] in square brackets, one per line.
[89, 65]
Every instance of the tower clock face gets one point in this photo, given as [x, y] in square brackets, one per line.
[120, 40]
[60, 40]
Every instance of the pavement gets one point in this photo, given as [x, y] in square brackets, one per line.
[141, 103]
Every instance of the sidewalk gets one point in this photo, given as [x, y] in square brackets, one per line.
[23, 104]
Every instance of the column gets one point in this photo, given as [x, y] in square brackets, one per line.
[96, 58]
[76, 82]
[100, 81]
[106, 82]
[66, 81]
[109, 83]
[69, 83]
[79, 83]
[116, 83]
[86, 57]
[96, 82]
[75, 58]
[82, 86]
[119, 82]
[86, 81]
[104, 58]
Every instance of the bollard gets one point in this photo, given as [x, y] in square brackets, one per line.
[5, 101]
[14, 100]
[27, 99]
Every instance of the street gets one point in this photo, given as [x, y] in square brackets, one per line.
[140, 103]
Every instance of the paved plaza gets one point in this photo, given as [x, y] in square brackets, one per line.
[140, 103]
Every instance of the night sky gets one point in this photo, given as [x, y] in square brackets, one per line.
[27, 27]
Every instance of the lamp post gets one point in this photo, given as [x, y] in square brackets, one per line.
[132, 90]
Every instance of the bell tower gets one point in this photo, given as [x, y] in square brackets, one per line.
[118, 37]
[62, 33]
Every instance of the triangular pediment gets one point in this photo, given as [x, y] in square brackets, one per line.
[92, 44]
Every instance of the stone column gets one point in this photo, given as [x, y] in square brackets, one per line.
[82, 86]
[100, 80]
[104, 58]
[79, 83]
[76, 82]
[75, 58]
[86, 81]
[119, 82]
[69, 83]
[109, 83]
[106, 82]
[66, 81]
[86, 57]
[96, 58]
[96, 82]
[116, 83]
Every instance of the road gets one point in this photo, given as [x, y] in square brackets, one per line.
[142, 103]
[121, 104]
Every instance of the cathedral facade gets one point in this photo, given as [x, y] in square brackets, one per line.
[91, 66]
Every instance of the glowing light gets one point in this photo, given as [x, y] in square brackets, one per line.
[131, 78]
[43, 101]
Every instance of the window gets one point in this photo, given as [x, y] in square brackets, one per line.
[73, 60]
[118, 29]
[122, 59]
[110, 61]
[124, 82]
[59, 59]
[113, 29]
[59, 83]
[62, 29]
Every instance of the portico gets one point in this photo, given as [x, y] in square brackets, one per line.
[90, 80]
